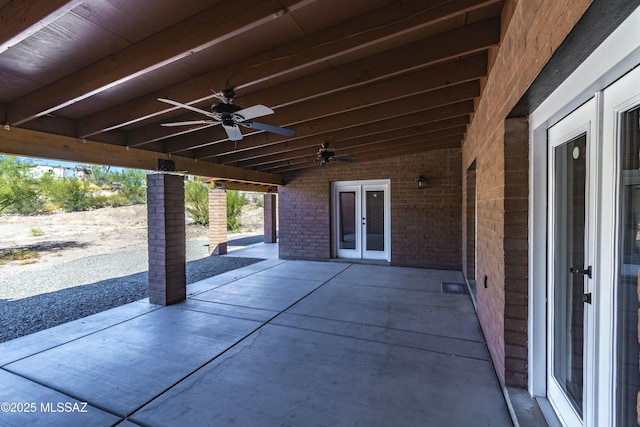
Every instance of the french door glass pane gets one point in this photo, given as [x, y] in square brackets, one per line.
[569, 251]
[375, 220]
[348, 220]
[628, 375]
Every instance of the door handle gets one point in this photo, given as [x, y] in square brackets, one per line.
[587, 272]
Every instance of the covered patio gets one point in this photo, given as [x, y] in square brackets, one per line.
[275, 343]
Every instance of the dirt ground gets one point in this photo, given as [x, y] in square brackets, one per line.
[63, 237]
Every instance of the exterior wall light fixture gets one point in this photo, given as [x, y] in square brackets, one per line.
[422, 182]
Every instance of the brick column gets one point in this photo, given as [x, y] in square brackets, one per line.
[166, 235]
[217, 222]
[270, 215]
[516, 214]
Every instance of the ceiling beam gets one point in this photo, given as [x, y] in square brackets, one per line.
[30, 143]
[20, 19]
[323, 126]
[390, 21]
[410, 146]
[343, 146]
[201, 31]
[422, 54]
[439, 76]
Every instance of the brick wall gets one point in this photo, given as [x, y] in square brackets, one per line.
[534, 31]
[425, 224]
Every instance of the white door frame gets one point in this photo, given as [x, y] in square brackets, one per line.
[618, 54]
[360, 188]
[582, 121]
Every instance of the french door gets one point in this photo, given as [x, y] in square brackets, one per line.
[570, 258]
[361, 219]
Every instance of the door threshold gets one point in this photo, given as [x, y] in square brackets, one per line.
[361, 261]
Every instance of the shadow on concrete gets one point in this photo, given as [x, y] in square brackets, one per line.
[32, 314]
[246, 241]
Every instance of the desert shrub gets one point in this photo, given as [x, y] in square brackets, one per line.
[69, 194]
[19, 191]
[133, 185]
[36, 232]
[235, 202]
[196, 197]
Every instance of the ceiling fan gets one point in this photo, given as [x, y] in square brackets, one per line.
[230, 116]
[324, 156]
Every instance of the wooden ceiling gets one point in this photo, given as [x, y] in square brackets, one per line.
[375, 78]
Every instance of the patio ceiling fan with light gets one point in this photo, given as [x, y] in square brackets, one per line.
[324, 156]
[230, 116]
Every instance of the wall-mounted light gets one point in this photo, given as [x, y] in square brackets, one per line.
[422, 182]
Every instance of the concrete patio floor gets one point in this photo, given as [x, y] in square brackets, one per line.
[277, 343]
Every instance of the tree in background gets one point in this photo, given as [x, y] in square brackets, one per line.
[196, 197]
[70, 194]
[235, 202]
[19, 191]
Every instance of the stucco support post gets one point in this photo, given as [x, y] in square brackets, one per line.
[166, 238]
[270, 216]
[217, 221]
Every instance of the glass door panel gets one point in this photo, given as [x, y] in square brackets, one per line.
[347, 218]
[570, 314]
[569, 252]
[628, 349]
[374, 221]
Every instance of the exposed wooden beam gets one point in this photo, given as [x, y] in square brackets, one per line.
[241, 186]
[434, 99]
[448, 74]
[343, 146]
[412, 146]
[20, 19]
[422, 54]
[30, 143]
[393, 20]
[203, 30]
[430, 120]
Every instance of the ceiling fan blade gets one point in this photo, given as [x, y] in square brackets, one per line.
[192, 122]
[233, 132]
[344, 158]
[268, 128]
[188, 107]
[253, 112]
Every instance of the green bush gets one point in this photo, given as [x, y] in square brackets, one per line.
[196, 197]
[235, 202]
[70, 194]
[19, 191]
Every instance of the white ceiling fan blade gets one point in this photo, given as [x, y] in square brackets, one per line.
[233, 132]
[188, 107]
[253, 112]
[192, 122]
[268, 128]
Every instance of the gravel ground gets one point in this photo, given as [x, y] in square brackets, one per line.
[36, 300]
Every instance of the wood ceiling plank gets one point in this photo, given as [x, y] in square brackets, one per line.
[449, 96]
[343, 146]
[194, 34]
[412, 146]
[21, 19]
[440, 49]
[426, 121]
[30, 143]
[390, 21]
[421, 81]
